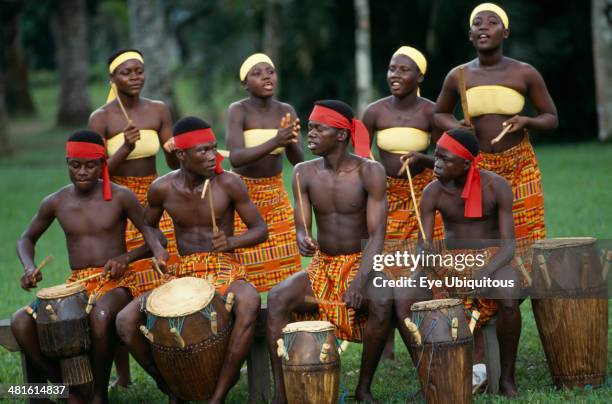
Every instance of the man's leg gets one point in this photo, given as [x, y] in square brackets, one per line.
[104, 338]
[122, 365]
[380, 312]
[245, 310]
[285, 298]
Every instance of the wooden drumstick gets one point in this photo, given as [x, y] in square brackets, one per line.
[114, 88]
[544, 270]
[40, 266]
[474, 316]
[204, 189]
[343, 346]
[229, 301]
[212, 209]
[177, 337]
[156, 266]
[414, 201]
[606, 265]
[311, 299]
[414, 330]
[463, 95]
[324, 351]
[501, 134]
[521, 267]
[87, 278]
[454, 328]
[299, 188]
[147, 334]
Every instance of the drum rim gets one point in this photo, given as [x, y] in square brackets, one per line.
[563, 242]
[295, 326]
[61, 290]
[207, 294]
[435, 304]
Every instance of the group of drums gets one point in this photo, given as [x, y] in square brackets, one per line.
[188, 326]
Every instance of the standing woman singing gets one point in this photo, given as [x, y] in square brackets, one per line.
[495, 88]
[260, 129]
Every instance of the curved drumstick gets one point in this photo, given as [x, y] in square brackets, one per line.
[40, 266]
[212, 205]
[156, 266]
[501, 134]
[414, 201]
[463, 95]
[114, 88]
[87, 278]
[297, 180]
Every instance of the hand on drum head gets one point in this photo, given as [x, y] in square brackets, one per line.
[116, 267]
[353, 296]
[220, 242]
[30, 278]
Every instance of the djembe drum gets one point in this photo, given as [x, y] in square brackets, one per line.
[188, 325]
[442, 348]
[311, 362]
[572, 315]
[63, 330]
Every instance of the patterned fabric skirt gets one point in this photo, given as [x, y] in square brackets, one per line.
[330, 276]
[220, 269]
[100, 286]
[401, 219]
[519, 166]
[278, 257]
[146, 277]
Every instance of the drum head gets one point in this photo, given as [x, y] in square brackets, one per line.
[308, 326]
[63, 290]
[180, 297]
[429, 305]
[563, 242]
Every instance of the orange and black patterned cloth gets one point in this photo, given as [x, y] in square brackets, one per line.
[486, 307]
[330, 276]
[100, 286]
[401, 218]
[146, 277]
[219, 268]
[278, 257]
[519, 166]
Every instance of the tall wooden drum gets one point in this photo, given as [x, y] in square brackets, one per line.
[442, 347]
[63, 330]
[189, 327]
[311, 362]
[571, 310]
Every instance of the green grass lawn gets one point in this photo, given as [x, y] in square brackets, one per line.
[578, 195]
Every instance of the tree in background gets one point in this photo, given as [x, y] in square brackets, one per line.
[602, 58]
[149, 34]
[70, 34]
[272, 33]
[5, 147]
[17, 91]
[363, 57]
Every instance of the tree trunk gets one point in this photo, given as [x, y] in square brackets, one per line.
[5, 147]
[17, 89]
[272, 33]
[150, 35]
[602, 55]
[70, 32]
[363, 65]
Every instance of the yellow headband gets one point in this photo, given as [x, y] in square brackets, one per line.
[122, 57]
[494, 8]
[252, 61]
[417, 57]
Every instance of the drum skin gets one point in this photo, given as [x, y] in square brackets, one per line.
[192, 372]
[444, 365]
[308, 380]
[574, 329]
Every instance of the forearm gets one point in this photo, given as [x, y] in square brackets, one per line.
[25, 251]
[251, 237]
[445, 121]
[502, 257]
[373, 247]
[115, 161]
[543, 122]
[295, 152]
[246, 155]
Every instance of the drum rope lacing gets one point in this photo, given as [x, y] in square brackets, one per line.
[176, 323]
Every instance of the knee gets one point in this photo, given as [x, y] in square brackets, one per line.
[21, 323]
[127, 323]
[101, 320]
[249, 303]
[279, 301]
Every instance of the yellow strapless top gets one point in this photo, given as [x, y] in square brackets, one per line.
[146, 146]
[402, 140]
[255, 137]
[483, 100]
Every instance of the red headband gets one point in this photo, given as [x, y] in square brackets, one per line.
[86, 150]
[360, 137]
[471, 190]
[195, 137]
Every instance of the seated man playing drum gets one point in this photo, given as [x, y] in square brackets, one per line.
[347, 193]
[205, 250]
[93, 214]
[476, 207]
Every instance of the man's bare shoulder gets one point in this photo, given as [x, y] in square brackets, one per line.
[57, 198]
[369, 168]
[165, 180]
